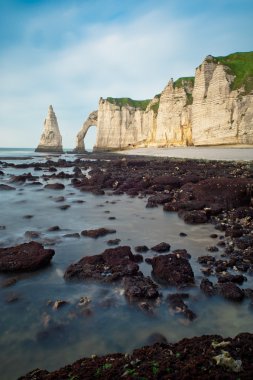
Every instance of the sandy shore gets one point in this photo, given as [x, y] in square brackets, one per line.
[208, 153]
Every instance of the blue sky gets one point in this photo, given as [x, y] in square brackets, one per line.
[69, 53]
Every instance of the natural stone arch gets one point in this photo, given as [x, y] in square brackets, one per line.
[91, 121]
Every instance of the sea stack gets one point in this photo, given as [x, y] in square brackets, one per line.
[51, 140]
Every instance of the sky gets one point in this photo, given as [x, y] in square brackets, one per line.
[69, 53]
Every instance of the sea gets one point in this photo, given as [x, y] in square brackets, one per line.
[35, 335]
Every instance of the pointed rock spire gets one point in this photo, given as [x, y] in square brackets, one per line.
[51, 140]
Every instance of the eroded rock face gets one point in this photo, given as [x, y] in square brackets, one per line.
[174, 116]
[92, 120]
[24, 257]
[219, 115]
[190, 111]
[109, 266]
[51, 140]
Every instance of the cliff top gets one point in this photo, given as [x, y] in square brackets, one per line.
[142, 104]
[241, 66]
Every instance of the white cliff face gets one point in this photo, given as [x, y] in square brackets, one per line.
[123, 127]
[208, 113]
[174, 117]
[51, 140]
[219, 115]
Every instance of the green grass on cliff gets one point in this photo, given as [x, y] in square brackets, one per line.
[183, 82]
[142, 104]
[180, 82]
[240, 65]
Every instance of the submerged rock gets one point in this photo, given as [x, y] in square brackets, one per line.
[161, 247]
[140, 287]
[178, 306]
[6, 187]
[25, 257]
[54, 186]
[97, 232]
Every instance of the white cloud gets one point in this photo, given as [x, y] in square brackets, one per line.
[135, 59]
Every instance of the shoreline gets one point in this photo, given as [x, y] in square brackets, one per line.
[218, 153]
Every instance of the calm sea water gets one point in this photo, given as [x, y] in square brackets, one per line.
[33, 335]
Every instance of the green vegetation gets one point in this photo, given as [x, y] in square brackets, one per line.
[240, 65]
[155, 107]
[180, 82]
[185, 82]
[142, 104]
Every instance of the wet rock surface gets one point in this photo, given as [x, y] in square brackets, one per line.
[139, 287]
[24, 257]
[109, 266]
[177, 304]
[98, 232]
[194, 358]
[172, 270]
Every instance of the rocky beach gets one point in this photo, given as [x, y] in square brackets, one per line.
[101, 254]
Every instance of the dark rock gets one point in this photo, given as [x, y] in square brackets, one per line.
[227, 277]
[24, 257]
[172, 270]
[54, 186]
[32, 234]
[73, 235]
[182, 234]
[161, 247]
[64, 207]
[141, 248]
[194, 217]
[212, 249]
[59, 199]
[12, 297]
[97, 232]
[109, 266]
[156, 338]
[177, 304]
[244, 242]
[53, 228]
[158, 199]
[6, 187]
[28, 216]
[139, 287]
[207, 287]
[230, 291]
[146, 307]
[173, 182]
[2, 228]
[113, 242]
[9, 282]
[182, 253]
[213, 236]
[208, 260]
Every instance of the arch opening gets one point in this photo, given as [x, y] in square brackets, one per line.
[90, 138]
[90, 122]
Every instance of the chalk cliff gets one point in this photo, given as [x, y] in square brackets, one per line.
[51, 140]
[214, 108]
